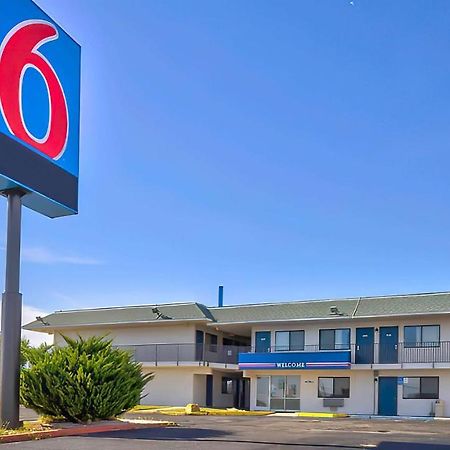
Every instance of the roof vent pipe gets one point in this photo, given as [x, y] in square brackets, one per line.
[220, 300]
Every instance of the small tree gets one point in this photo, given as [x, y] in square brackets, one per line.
[85, 380]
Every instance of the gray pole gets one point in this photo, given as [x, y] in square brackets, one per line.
[11, 317]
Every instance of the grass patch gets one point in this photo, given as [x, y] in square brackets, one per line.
[26, 428]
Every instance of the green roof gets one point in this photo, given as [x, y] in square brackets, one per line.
[122, 315]
[360, 307]
[430, 303]
[315, 309]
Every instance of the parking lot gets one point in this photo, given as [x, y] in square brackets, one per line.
[213, 432]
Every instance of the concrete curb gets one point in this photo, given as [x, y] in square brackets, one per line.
[79, 430]
[322, 415]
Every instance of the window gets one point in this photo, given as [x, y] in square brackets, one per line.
[211, 341]
[227, 385]
[422, 336]
[338, 339]
[289, 341]
[421, 387]
[336, 387]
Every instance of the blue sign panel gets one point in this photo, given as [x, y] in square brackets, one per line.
[39, 109]
[295, 360]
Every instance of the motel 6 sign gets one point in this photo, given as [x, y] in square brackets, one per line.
[39, 109]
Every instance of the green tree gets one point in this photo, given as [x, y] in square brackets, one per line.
[85, 380]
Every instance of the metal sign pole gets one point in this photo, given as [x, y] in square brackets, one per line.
[11, 317]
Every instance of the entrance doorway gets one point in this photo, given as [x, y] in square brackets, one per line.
[387, 396]
[278, 392]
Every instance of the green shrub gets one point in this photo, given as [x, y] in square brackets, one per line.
[85, 380]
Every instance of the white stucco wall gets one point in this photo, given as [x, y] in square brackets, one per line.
[178, 386]
[150, 334]
[169, 387]
[199, 395]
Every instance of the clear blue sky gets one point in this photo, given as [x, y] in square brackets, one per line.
[287, 149]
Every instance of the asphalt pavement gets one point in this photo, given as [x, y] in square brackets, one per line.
[264, 432]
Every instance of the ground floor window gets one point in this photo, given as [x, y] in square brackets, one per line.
[278, 392]
[334, 387]
[227, 385]
[421, 387]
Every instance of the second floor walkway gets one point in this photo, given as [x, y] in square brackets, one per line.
[185, 354]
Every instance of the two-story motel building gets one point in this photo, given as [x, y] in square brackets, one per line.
[371, 355]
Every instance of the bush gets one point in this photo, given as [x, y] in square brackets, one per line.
[85, 380]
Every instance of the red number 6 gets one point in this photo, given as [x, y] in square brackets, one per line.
[19, 52]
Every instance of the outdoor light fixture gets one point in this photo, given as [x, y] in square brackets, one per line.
[159, 314]
[40, 319]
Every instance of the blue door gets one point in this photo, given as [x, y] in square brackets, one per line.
[262, 341]
[364, 345]
[199, 345]
[209, 391]
[387, 396]
[388, 345]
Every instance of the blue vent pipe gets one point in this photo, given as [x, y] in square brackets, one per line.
[220, 303]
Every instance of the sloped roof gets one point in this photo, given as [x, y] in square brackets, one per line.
[123, 315]
[429, 303]
[360, 307]
[315, 309]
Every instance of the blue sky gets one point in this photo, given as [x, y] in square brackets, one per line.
[287, 149]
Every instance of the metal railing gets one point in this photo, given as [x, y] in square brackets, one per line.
[395, 353]
[182, 353]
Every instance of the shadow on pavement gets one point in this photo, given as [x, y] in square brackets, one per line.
[207, 435]
[169, 433]
[411, 446]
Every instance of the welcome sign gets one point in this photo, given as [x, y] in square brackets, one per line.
[295, 360]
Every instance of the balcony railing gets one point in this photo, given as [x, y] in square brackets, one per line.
[395, 353]
[185, 353]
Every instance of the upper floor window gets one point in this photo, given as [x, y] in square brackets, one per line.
[334, 339]
[334, 387]
[421, 387]
[289, 341]
[422, 336]
[211, 342]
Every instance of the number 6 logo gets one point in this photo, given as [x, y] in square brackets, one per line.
[19, 52]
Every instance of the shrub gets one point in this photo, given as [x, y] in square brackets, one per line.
[24, 349]
[85, 380]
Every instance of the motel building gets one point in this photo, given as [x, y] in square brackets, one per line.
[371, 355]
